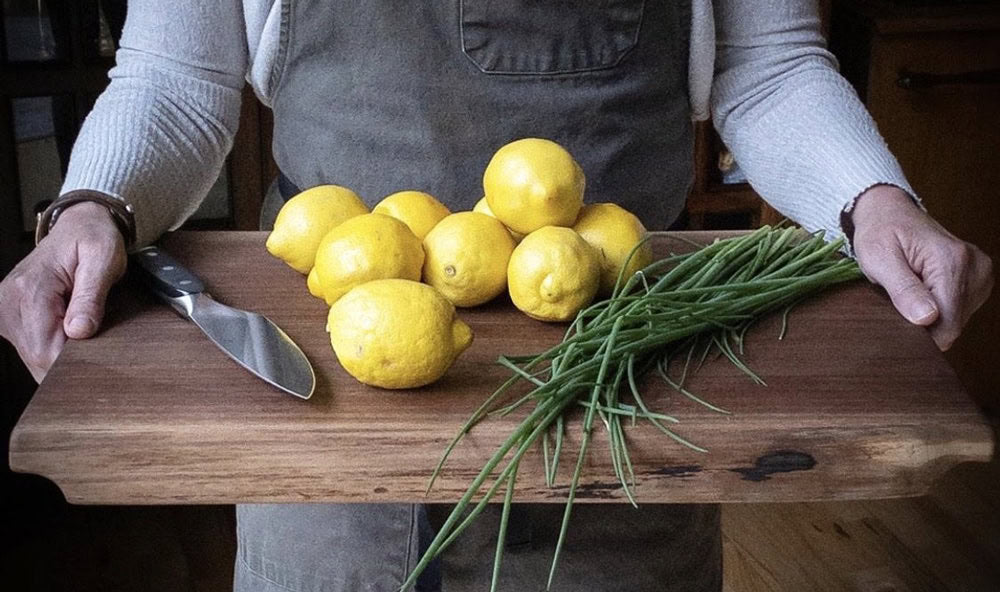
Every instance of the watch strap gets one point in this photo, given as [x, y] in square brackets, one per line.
[121, 213]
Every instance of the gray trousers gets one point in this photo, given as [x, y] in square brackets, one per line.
[372, 547]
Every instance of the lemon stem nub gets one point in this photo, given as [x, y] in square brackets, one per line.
[461, 336]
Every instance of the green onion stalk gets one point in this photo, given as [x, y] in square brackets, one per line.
[683, 306]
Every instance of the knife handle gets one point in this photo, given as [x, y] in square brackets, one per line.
[168, 277]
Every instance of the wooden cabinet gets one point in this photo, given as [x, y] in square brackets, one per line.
[931, 78]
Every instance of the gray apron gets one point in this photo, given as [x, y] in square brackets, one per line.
[382, 97]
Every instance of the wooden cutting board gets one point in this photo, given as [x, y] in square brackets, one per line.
[859, 404]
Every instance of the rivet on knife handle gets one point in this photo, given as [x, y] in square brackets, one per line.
[169, 277]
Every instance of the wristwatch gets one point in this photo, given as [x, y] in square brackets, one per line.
[121, 213]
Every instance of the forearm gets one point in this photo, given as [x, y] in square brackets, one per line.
[795, 126]
[158, 136]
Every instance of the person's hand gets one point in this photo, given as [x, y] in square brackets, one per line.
[77, 262]
[933, 278]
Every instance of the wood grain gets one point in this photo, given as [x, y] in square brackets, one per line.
[859, 405]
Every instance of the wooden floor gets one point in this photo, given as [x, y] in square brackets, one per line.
[947, 541]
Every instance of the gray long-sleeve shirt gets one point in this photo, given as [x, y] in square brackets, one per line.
[158, 136]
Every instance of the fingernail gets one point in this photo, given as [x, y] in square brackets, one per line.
[82, 325]
[922, 311]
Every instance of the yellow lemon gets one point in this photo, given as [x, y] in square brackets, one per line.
[420, 211]
[553, 274]
[312, 282]
[306, 218]
[396, 333]
[613, 231]
[484, 208]
[466, 258]
[532, 183]
[364, 248]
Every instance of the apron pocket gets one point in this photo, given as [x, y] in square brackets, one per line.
[548, 37]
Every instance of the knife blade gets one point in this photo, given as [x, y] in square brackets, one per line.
[251, 339]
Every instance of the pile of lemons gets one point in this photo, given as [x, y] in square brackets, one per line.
[393, 276]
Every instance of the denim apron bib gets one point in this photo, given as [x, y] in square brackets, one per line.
[384, 96]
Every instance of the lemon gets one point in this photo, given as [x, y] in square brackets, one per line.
[306, 218]
[396, 333]
[613, 231]
[420, 211]
[553, 274]
[533, 182]
[466, 258]
[312, 282]
[484, 208]
[364, 248]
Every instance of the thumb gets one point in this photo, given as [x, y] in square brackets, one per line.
[86, 306]
[908, 293]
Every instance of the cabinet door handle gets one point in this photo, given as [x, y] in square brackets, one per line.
[923, 80]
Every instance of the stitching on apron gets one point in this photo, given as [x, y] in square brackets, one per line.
[563, 72]
[409, 541]
[258, 574]
[284, 41]
[682, 46]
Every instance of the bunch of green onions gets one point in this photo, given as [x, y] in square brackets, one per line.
[685, 303]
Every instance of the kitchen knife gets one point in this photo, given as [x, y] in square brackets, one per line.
[251, 339]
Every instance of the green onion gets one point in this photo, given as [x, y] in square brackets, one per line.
[699, 301]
